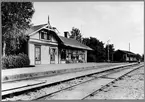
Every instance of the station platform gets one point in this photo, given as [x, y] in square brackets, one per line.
[49, 70]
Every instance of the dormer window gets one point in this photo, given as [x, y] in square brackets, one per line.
[44, 35]
[48, 37]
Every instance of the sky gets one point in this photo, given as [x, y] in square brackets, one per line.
[120, 22]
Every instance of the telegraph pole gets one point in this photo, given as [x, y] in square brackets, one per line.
[81, 29]
[81, 32]
[129, 46]
[108, 49]
[129, 51]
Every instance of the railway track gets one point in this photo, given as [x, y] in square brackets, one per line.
[90, 77]
[106, 85]
[69, 95]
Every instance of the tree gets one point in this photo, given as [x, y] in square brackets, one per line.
[111, 51]
[16, 18]
[138, 57]
[76, 34]
[98, 53]
[142, 57]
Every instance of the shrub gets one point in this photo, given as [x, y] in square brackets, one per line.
[11, 61]
[5, 62]
[15, 61]
[91, 58]
[25, 58]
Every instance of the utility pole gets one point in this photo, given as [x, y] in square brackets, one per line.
[129, 51]
[129, 46]
[108, 49]
[81, 32]
[81, 29]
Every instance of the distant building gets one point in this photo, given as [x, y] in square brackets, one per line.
[45, 46]
[124, 56]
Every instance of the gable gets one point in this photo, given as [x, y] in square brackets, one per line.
[33, 29]
[35, 36]
[44, 35]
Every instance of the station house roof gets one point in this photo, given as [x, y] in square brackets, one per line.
[66, 41]
[126, 52]
[73, 43]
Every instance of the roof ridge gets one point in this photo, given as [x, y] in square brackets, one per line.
[71, 39]
[39, 25]
[67, 38]
[127, 51]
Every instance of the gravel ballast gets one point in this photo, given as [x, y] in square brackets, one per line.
[129, 87]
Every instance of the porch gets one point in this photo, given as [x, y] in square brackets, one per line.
[72, 55]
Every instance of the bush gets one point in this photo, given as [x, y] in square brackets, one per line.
[15, 61]
[25, 58]
[91, 58]
[5, 62]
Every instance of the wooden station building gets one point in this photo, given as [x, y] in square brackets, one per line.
[45, 46]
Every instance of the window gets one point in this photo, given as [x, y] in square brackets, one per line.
[48, 37]
[42, 35]
[63, 54]
[37, 53]
[45, 35]
[52, 54]
[53, 51]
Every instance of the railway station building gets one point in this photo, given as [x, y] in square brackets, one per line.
[124, 56]
[45, 46]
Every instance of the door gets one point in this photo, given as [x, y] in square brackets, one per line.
[52, 55]
[37, 54]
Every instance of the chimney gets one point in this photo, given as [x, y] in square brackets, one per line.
[66, 34]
